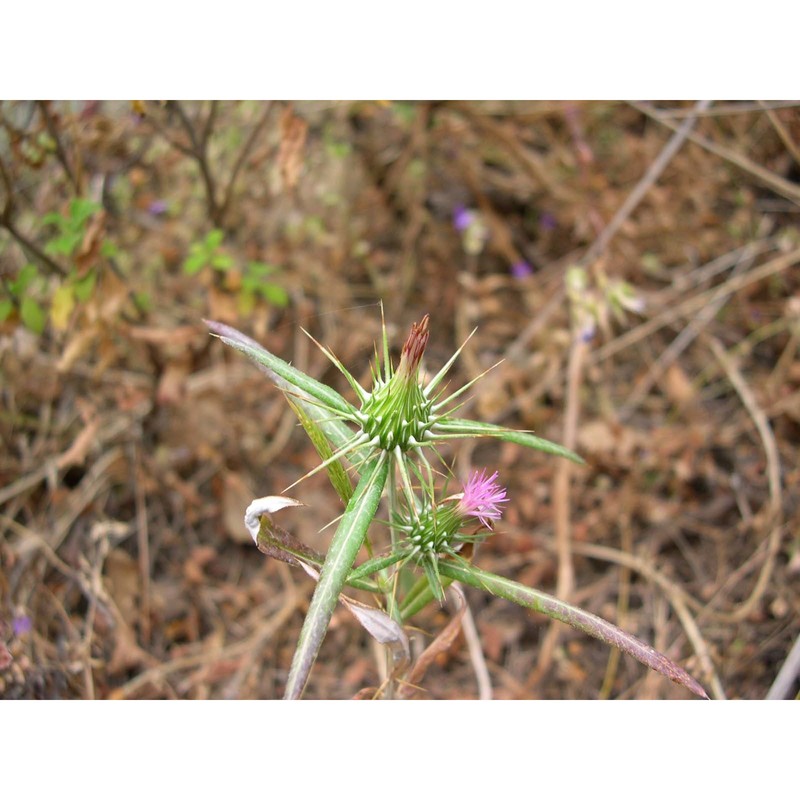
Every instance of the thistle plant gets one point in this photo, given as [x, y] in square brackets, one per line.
[389, 440]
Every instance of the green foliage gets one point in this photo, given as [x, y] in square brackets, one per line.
[255, 285]
[32, 315]
[70, 229]
[207, 254]
[38, 297]
[22, 293]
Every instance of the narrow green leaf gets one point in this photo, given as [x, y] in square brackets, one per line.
[289, 374]
[6, 307]
[458, 428]
[429, 564]
[374, 565]
[578, 618]
[336, 472]
[419, 596]
[342, 553]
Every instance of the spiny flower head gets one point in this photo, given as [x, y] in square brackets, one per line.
[482, 498]
[438, 528]
[396, 412]
[399, 417]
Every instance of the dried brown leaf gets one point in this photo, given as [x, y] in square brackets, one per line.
[439, 645]
[293, 139]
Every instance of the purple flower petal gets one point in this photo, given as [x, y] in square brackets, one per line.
[21, 625]
[462, 218]
[521, 270]
[157, 207]
[482, 498]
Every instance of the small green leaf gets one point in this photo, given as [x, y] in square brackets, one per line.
[26, 276]
[80, 210]
[221, 262]
[143, 301]
[194, 263]
[54, 219]
[214, 239]
[64, 245]
[85, 286]
[32, 315]
[274, 294]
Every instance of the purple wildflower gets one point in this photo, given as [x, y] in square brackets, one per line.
[482, 498]
[521, 269]
[157, 207]
[462, 218]
[21, 625]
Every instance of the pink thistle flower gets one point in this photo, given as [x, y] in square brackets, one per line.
[482, 498]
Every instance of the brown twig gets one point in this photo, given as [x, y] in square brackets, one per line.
[241, 158]
[256, 639]
[668, 356]
[530, 161]
[565, 580]
[60, 153]
[774, 518]
[780, 129]
[677, 597]
[443, 641]
[34, 249]
[779, 185]
[143, 546]
[693, 304]
[25, 243]
[644, 185]
[623, 592]
[474, 648]
[197, 150]
[726, 109]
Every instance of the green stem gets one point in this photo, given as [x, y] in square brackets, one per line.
[342, 553]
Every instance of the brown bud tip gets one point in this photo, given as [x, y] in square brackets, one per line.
[415, 344]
